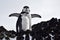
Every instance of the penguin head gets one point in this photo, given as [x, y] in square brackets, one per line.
[26, 9]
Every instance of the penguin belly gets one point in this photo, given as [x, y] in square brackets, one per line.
[25, 23]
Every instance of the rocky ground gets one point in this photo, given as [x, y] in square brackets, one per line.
[6, 34]
[46, 30]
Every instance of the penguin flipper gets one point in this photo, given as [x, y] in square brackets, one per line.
[35, 15]
[14, 14]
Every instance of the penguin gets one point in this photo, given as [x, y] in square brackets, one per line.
[24, 19]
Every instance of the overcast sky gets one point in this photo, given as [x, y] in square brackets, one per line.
[46, 8]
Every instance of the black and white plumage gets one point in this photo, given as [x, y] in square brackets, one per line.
[26, 24]
[17, 15]
[14, 14]
[23, 25]
[24, 19]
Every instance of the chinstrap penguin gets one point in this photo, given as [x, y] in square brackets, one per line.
[24, 19]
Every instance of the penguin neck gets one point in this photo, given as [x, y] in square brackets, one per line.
[24, 12]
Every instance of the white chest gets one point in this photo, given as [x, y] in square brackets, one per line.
[25, 23]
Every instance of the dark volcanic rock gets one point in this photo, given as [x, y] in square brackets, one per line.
[2, 29]
[7, 34]
[12, 33]
[46, 29]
